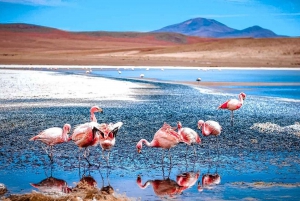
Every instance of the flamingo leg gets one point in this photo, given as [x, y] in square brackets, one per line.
[85, 154]
[217, 144]
[187, 147]
[107, 159]
[231, 118]
[162, 158]
[51, 154]
[170, 157]
[194, 150]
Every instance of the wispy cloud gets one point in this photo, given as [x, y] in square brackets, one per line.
[36, 2]
[280, 14]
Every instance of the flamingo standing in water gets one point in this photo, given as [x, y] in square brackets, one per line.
[107, 137]
[190, 136]
[233, 104]
[53, 136]
[210, 128]
[166, 137]
[85, 135]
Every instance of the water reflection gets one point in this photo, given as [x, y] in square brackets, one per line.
[167, 187]
[209, 181]
[51, 184]
[187, 179]
[87, 181]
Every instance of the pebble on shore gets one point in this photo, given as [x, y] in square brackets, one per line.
[3, 189]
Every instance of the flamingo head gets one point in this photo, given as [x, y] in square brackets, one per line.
[66, 130]
[139, 147]
[96, 109]
[179, 125]
[67, 127]
[200, 123]
[139, 150]
[243, 95]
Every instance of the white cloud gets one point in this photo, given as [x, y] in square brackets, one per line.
[35, 2]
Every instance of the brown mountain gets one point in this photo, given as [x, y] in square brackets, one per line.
[210, 28]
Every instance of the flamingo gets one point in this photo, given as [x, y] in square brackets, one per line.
[210, 128]
[85, 135]
[53, 136]
[209, 180]
[166, 137]
[107, 137]
[190, 136]
[233, 104]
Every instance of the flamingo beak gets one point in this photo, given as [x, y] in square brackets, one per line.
[139, 151]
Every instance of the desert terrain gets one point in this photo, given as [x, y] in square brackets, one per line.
[31, 44]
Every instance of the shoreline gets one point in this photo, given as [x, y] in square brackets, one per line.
[83, 67]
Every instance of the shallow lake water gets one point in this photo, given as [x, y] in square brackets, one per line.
[220, 75]
[248, 163]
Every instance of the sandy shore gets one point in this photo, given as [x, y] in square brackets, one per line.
[50, 86]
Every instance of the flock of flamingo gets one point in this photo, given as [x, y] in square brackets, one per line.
[92, 133]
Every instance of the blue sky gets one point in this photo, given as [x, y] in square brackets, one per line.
[280, 16]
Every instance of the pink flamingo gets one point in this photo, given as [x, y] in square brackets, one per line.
[85, 135]
[53, 136]
[107, 137]
[209, 180]
[166, 137]
[210, 128]
[233, 104]
[189, 136]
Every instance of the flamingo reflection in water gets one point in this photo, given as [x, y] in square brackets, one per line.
[208, 181]
[52, 185]
[187, 179]
[168, 187]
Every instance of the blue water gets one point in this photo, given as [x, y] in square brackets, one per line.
[289, 89]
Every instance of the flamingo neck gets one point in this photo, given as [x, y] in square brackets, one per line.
[93, 117]
[205, 130]
[65, 135]
[241, 99]
[146, 143]
[179, 126]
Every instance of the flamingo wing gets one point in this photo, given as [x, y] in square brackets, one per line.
[84, 135]
[189, 136]
[224, 105]
[50, 136]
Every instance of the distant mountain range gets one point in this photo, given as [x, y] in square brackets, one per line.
[210, 28]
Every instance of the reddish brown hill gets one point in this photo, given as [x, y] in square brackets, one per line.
[30, 44]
